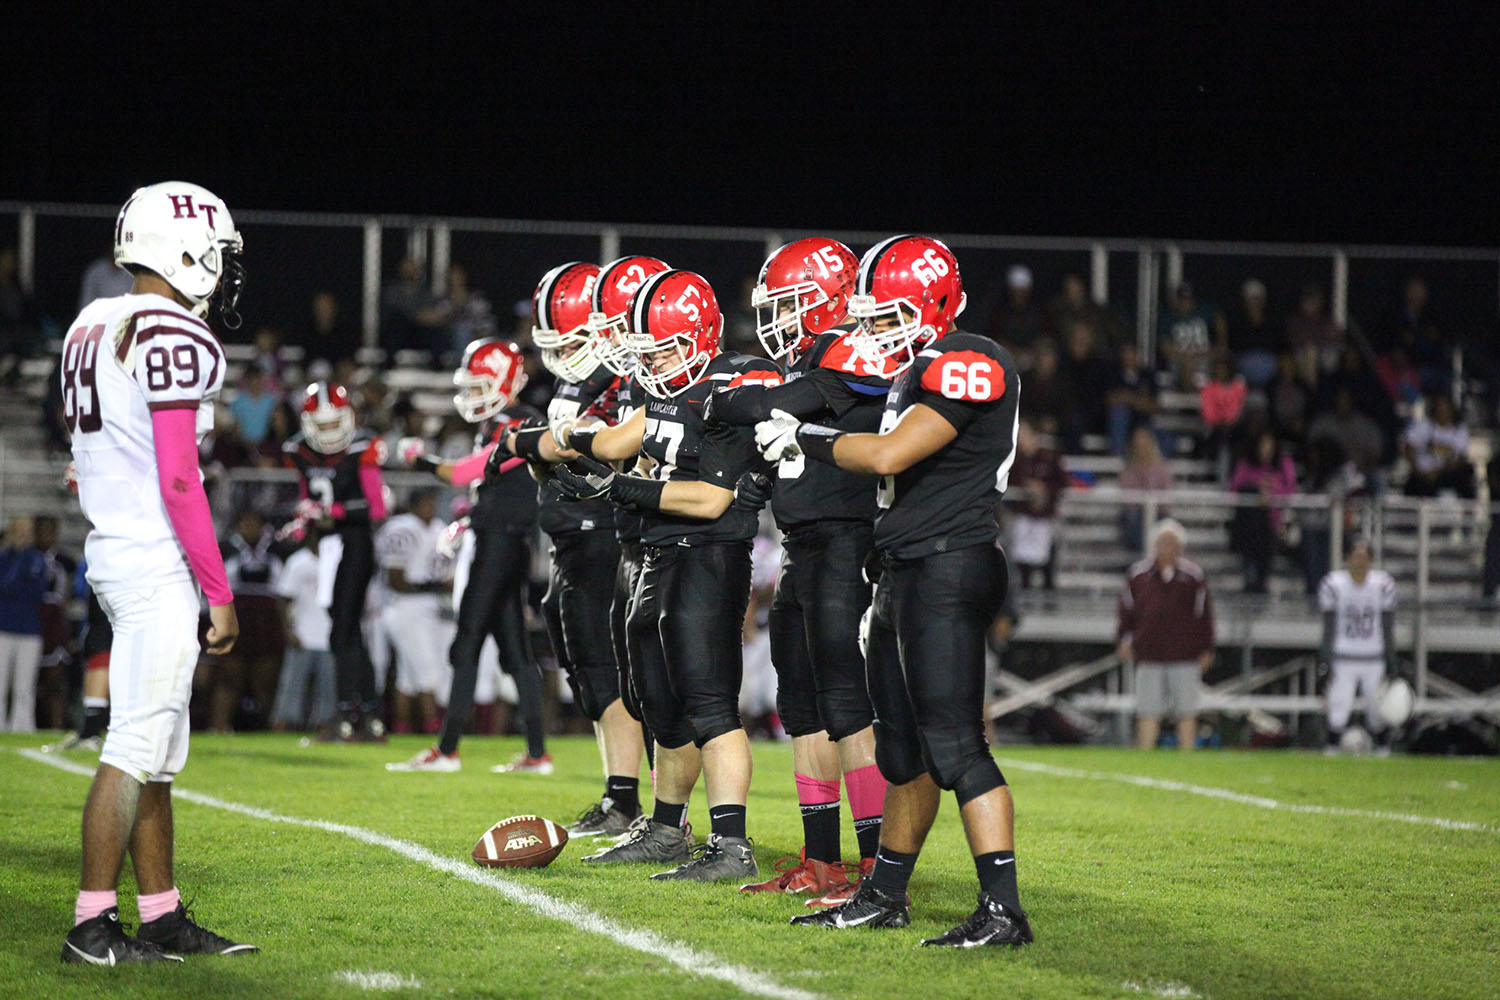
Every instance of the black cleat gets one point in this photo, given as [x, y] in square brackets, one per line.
[869, 907]
[991, 924]
[177, 932]
[648, 842]
[102, 940]
[599, 821]
[719, 857]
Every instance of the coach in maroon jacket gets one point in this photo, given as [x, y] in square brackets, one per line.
[1167, 627]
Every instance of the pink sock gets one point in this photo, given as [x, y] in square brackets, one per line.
[158, 904]
[866, 792]
[816, 792]
[91, 904]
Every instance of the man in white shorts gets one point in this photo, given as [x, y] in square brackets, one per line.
[417, 579]
[1359, 642]
[139, 375]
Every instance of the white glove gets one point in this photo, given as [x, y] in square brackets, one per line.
[409, 449]
[777, 437]
[864, 630]
[560, 427]
[449, 541]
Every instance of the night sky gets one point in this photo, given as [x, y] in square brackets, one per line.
[1243, 122]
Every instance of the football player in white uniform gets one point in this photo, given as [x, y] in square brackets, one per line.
[139, 374]
[417, 578]
[1359, 641]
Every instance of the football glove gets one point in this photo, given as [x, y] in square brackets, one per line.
[409, 449]
[752, 491]
[777, 437]
[584, 479]
[452, 536]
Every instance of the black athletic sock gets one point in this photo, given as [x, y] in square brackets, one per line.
[820, 830]
[623, 794]
[95, 720]
[997, 876]
[892, 872]
[670, 814]
[727, 821]
[867, 832]
[1334, 735]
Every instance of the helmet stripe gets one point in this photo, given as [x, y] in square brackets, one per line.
[544, 296]
[643, 300]
[872, 257]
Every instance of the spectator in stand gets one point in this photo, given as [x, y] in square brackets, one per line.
[23, 586]
[1402, 381]
[251, 667]
[1267, 473]
[1331, 474]
[20, 334]
[1413, 330]
[1437, 450]
[223, 449]
[471, 316]
[103, 279]
[1089, 376]
[1288, 400]
[412, 318]
[1166, 626]
[1037, 480]
[1253, 338]
[283, 424]
[1367, 391]
[327, 333]
[1188, 335]
[1073, 305]
[1357, 436]
[1145, 470]
[56, 629]
[1017, 324]
[1221, 401]
[1315, 340]
[1131, 398]
[253, 405]
[1049, 398]
[304, 696]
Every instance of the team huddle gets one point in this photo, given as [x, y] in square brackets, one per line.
[879, 434]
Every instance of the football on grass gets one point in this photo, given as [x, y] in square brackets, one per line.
[520, 842]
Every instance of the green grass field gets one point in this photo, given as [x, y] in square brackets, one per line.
[1305, 882]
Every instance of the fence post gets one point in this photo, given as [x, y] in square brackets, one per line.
[1174, 268]
[609, 244]
[1419, 638]
[1336, 534]
[1099, 274]
[1145, 304]
[442, 251]
[1148, 518]
[1339, 296]
[370, 287]
[26, 249]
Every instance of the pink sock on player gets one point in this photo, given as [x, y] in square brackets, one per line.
[158, 904]
[866, 792]
[816, 792]
[91, 904]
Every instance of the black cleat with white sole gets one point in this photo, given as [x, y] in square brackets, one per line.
[717, 858]
[178, 933]
[648, 842]
[869, 907]
[102, 940]
[991, 924]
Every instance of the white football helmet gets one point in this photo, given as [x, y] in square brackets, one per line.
[185, 234]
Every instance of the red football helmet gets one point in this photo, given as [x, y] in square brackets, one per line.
[803, 289]
[674, 330]
[491, 375]
[912, 281]
[617, 282]
[560, 316]
[327, 417]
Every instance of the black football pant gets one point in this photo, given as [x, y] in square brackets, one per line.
[814, 622]
[684, 633]
[926, 667]
[493, 604]
[354, 675]
[580, 591]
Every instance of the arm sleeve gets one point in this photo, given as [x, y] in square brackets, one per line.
[372, 486]
[726, 454]
[470, 468]
[1325, 647]
[1388, 634]
[176, 444]
[748, 404]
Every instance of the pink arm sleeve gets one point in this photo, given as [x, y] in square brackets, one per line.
[373, 487]
[176, 443]
[467, 470]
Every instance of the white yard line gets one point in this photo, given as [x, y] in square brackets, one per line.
[1259, 801]
[383, 982]
[690, 960]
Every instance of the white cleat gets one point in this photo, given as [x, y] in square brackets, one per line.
[428, 760]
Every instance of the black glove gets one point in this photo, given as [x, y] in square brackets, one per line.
[584, 479]
[752, 491]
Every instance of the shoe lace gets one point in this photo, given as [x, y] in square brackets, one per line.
[594, 813]
[638, 829]
[788, 863]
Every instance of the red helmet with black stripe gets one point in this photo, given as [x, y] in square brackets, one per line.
[327, 417]
[491, 375]
[560, 309]
[674, 330]
[803, 290]
[907, 293]
[616, 285]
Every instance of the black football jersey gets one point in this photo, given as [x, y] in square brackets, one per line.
[684, 451]
[947, 500]
[504, 500]
[334, 479]
[626, 396]
[569, 401]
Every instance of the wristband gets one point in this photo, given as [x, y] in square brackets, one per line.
[528, 443]
[636, 493]
[581, 439]
[816, 441]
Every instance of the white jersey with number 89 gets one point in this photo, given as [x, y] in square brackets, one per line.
[1357, 633]
[125, 357]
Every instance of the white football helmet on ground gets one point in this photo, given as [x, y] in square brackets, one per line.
[1395, 702]
[185, 234]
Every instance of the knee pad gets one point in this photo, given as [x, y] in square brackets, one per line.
[844, 712]
[952, 753]
[898, 756]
